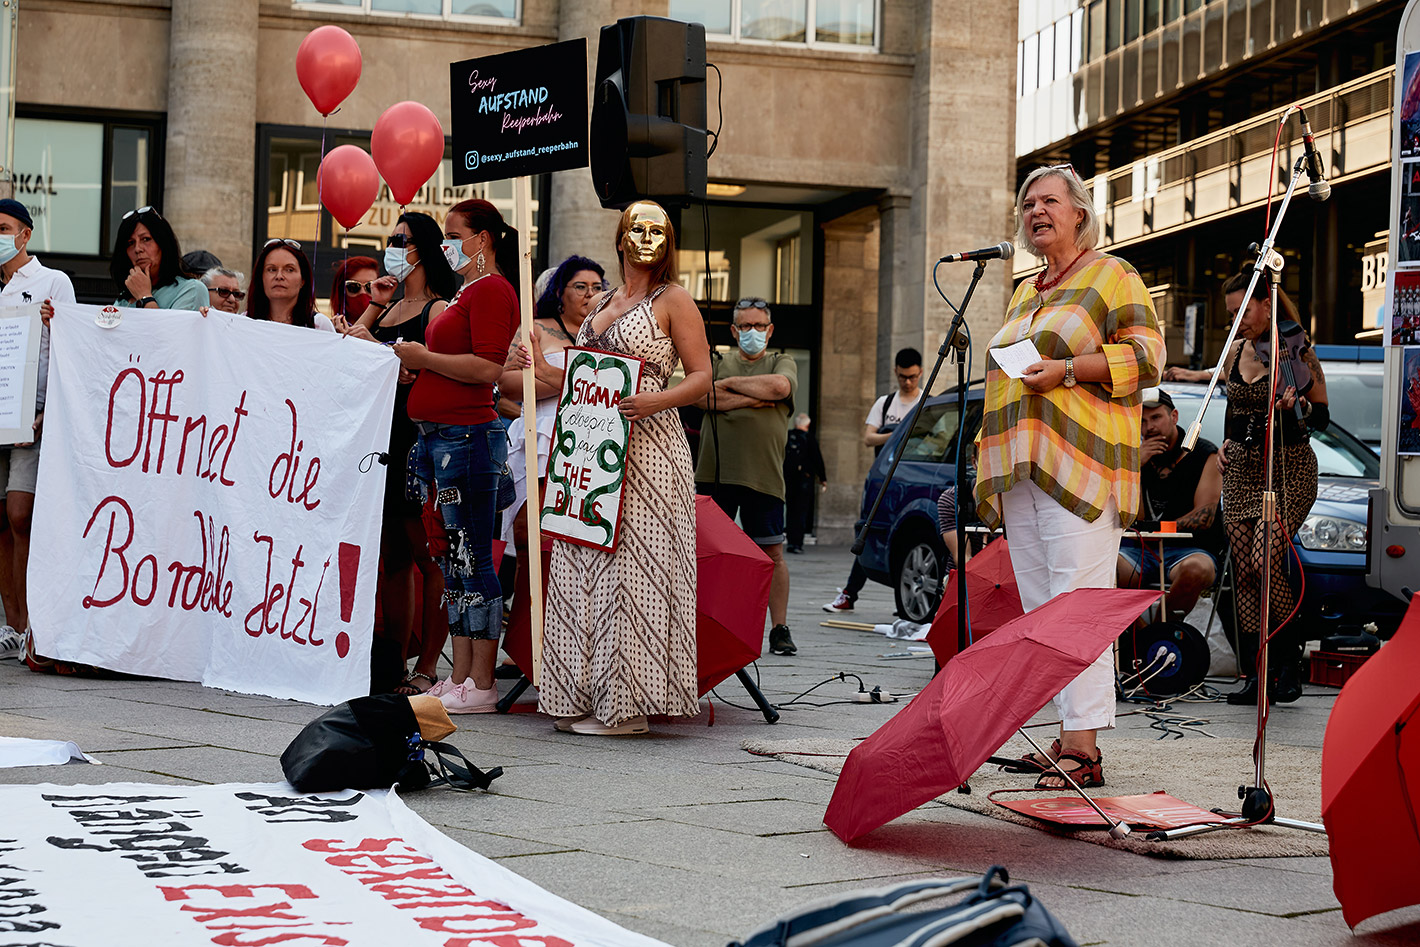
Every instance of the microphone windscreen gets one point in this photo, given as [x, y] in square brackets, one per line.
[1319, 191]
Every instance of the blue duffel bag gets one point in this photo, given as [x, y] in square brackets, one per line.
[994, 914]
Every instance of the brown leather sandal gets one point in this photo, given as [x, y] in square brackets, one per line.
[1087, 773]
[1030, 763]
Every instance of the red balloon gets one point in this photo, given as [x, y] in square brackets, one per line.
[408, 145]
[328, 65]
[348, 184]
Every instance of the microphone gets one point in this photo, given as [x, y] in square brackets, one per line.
[1316, 171]
[1001, 251]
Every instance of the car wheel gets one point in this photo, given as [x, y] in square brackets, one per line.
[917, 580]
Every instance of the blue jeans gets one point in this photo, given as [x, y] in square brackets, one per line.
[462, 462]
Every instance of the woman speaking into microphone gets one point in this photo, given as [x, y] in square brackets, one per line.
[1059, 447]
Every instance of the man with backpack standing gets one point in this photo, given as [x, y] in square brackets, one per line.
[883, 418]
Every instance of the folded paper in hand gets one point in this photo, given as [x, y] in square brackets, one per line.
[1015, 359]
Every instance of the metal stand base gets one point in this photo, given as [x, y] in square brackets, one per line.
[1256, 802]
[755, 694]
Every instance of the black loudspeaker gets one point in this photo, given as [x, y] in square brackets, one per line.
[648, 134]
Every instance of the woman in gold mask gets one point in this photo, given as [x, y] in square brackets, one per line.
[620, 630]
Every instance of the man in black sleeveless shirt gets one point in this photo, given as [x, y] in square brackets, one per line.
[1180, 486]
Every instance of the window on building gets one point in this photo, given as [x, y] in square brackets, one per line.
[1113, 24]
[60, 176]
[1152, 10]
[1077, 49]
[1047, 55]
[499, 10]
[851, 23]
[1030, 50]
[781, 21]
[1095, 47]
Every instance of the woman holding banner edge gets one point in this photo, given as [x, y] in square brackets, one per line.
[414, 260]
[620, 632]
[462, 447]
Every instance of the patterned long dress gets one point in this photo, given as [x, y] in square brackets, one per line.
[619, 640]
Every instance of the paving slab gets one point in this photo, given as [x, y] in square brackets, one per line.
[683, 836]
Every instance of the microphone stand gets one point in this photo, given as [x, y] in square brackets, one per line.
[955, 340]
[1258, 806]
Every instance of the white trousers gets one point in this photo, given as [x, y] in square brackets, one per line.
[1055, 551]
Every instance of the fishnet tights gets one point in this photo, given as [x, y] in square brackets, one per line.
[1246, 539]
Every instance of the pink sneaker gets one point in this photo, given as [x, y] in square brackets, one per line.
[468, 698]
[440, 688]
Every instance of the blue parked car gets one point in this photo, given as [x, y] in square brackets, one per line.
[904, 550]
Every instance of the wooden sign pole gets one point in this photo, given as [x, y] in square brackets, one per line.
[522, 214]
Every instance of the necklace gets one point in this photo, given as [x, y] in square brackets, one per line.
[1042, 284]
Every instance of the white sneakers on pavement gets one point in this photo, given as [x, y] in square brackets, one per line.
[469, 698]
[12, 643]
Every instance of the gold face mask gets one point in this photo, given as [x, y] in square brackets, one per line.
[645, 240]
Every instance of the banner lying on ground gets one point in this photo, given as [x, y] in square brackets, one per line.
[243, 866]
[201, 512]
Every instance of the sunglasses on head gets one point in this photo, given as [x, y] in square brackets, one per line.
[753, 302]
[355, 288]
[149, 209]
[226, 293]
[1065, 167]
[293, 244]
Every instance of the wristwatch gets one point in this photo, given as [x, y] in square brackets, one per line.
[143, 303]
[1069, 372]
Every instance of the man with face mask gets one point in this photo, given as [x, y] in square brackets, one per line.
[742, 444]
[26, 282]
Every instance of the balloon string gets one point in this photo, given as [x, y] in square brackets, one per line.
[320, 214]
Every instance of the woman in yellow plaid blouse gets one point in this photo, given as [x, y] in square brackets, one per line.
[1059, 448]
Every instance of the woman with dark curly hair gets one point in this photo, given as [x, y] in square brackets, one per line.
[282, 288]
[415, 262]
[147, 265]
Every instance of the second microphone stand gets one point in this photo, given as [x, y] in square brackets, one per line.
[1258, 806]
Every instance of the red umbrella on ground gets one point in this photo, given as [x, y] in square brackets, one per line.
[991, 599]
[732, 595]
[974, 704]
[1370, 780]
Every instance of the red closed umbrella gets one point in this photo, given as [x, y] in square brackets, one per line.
[1370, 779]
[731, 597]
[974, 704]
[991, 599]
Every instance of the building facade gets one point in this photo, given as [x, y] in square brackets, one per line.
[1169, 109]
[860, 141]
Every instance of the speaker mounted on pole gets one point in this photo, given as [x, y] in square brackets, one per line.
[648, 126]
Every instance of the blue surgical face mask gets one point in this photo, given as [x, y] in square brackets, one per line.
[753, 341]
[453, 252]
[396, 264]
[8, 250]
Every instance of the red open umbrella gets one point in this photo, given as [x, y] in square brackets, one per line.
[1370, 780]
[732, 595]
[991, 599]
[974, 704]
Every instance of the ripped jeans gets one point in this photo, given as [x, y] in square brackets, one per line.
[461, 462]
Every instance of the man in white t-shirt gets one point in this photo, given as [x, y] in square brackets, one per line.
[26, 281]
[883, 418]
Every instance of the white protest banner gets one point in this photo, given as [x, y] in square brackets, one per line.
[134, 865]
[586, 465]
[201, 512]
[20, 330]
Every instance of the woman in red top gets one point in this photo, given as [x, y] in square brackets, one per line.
[462, 446]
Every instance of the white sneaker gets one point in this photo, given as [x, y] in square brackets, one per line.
[564, 724]
[841, 605]
[12, 643]
[591, 726]
[469, 698]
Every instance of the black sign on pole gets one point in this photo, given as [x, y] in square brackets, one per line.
[520, 113]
